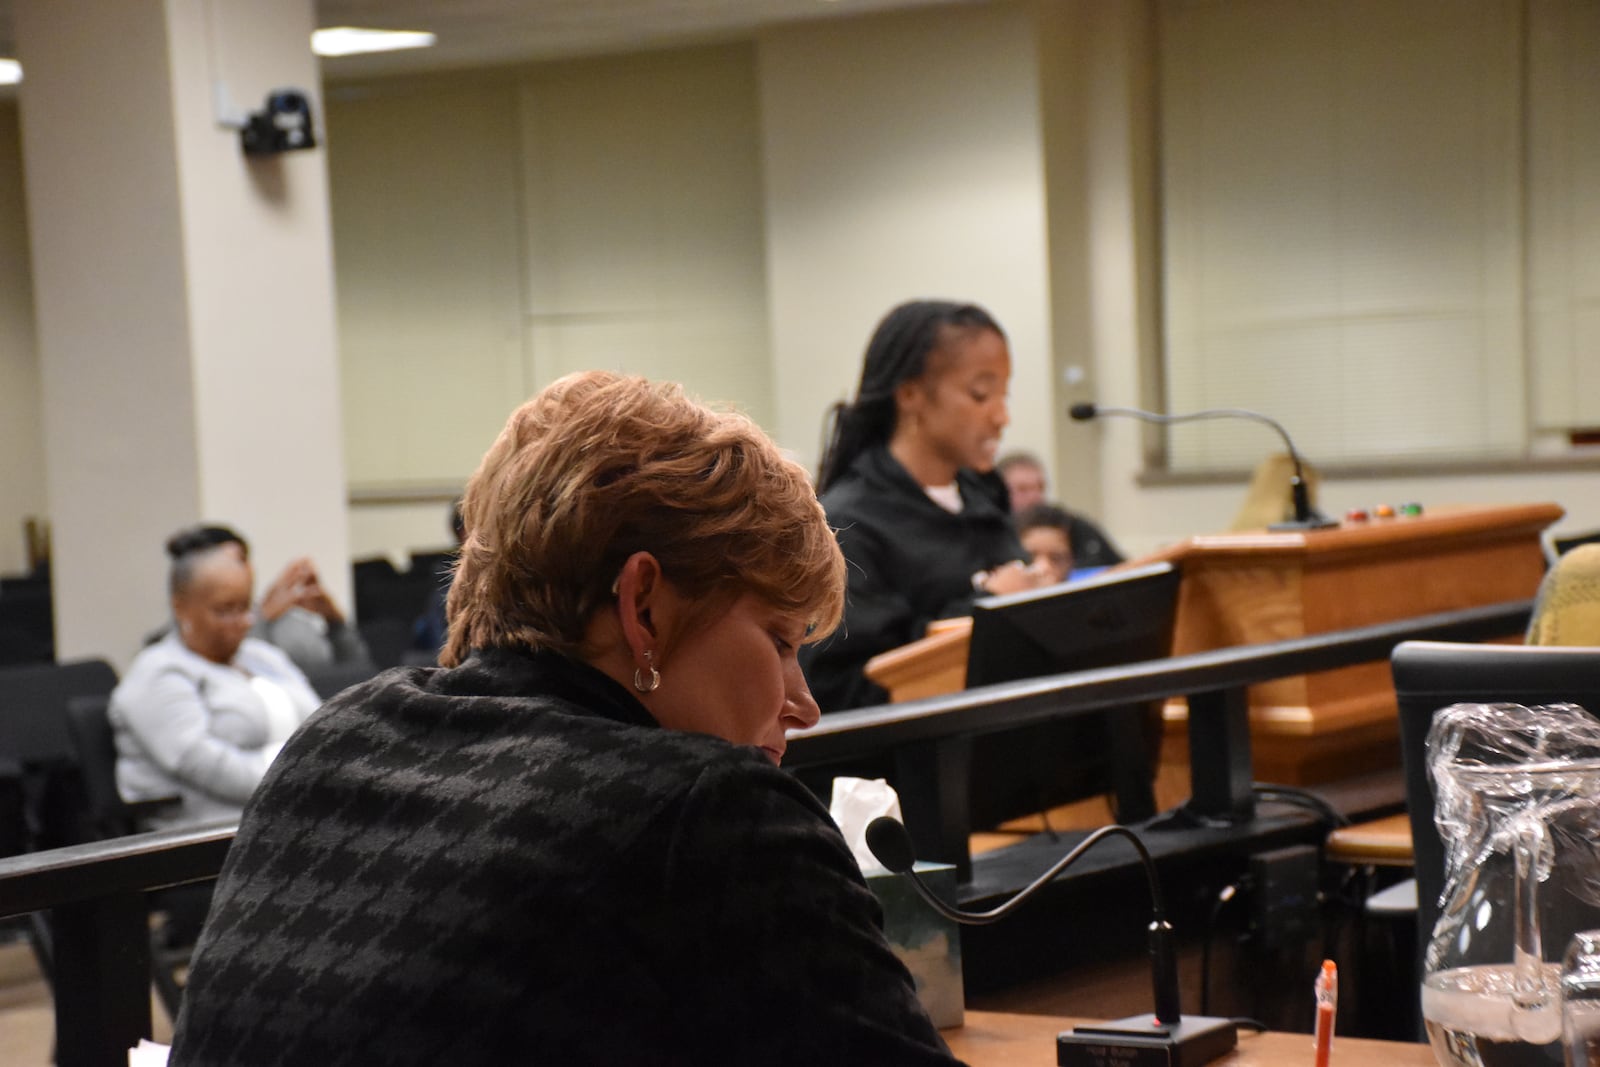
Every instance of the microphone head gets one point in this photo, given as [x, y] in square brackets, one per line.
[1082, 412]
[891, 844]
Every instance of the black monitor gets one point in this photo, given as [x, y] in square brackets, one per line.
[1115, 617]
[1429, 675]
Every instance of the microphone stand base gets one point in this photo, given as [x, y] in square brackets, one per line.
[1314, 523]
[1140, 1041]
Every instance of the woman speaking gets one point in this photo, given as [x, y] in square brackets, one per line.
[907, 480]
[572, 844]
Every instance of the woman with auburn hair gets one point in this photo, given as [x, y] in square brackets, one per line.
[572, 843]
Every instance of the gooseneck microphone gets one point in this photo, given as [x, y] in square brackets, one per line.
[1306, 517]
[891, 843]
[1174, 1039]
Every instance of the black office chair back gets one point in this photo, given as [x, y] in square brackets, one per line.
[33, 706]
[97, 759]
[333, 678]
[1429, 675]
[110, 816]
[34, 739]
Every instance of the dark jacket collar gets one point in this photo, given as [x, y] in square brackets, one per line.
[980, 493]
[521, 672]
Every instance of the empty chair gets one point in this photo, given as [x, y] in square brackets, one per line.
[1561, 545]
[108, 815]
[27, 630]
[42, 799]
[337, 677]
[388, 640]
[33, 734]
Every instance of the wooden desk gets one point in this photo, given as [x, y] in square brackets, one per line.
[1252, 588]
[1381, 843]
[999, 1039]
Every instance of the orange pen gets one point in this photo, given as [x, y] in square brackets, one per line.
[1327, 994]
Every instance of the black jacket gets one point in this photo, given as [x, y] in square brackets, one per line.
[910, 562]
[1090, 546]
[510, 862]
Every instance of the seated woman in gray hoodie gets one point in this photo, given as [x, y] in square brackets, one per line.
[202, 712]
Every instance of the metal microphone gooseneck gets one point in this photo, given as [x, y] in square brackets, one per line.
[1305, 516]
[891, 843]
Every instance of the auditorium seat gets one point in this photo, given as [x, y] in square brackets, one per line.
[27, 625]
[41, 786]
[108, 815]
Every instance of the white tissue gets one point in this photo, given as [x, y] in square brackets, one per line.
[148, 1054]
[856, 802]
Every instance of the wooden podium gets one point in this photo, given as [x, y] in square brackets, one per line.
[1248, 588]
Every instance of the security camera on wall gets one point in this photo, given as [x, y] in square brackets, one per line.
[283, 125]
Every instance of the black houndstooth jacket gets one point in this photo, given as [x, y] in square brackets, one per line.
[510, 862]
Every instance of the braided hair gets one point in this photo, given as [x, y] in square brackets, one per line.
[898, 352]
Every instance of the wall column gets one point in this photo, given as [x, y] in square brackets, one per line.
[184, 298]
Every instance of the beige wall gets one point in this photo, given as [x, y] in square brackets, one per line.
[903, 160]
[642, 221]
[1122, 297]
[424, 183]
[495, 232]
[738, 217]
[22, 490]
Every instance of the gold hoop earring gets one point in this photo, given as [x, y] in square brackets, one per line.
[655, 676]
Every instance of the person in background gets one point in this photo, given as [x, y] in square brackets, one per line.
[1046, 532]
[908, 482]
[572, 844]
[1025, 479]
[201, 713]
[428, 632]
[295, 613]
[1026, 482]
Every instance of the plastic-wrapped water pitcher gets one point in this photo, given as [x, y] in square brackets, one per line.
[1518, 810]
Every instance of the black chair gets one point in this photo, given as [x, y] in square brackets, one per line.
[435, 564]
[93, 741]
[333, 678]
[387, 640]
[111, 816]
[1430, 675]
[33, 733]
[27, 627]
[381, 592]
[1561, 545]
[41, 792]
